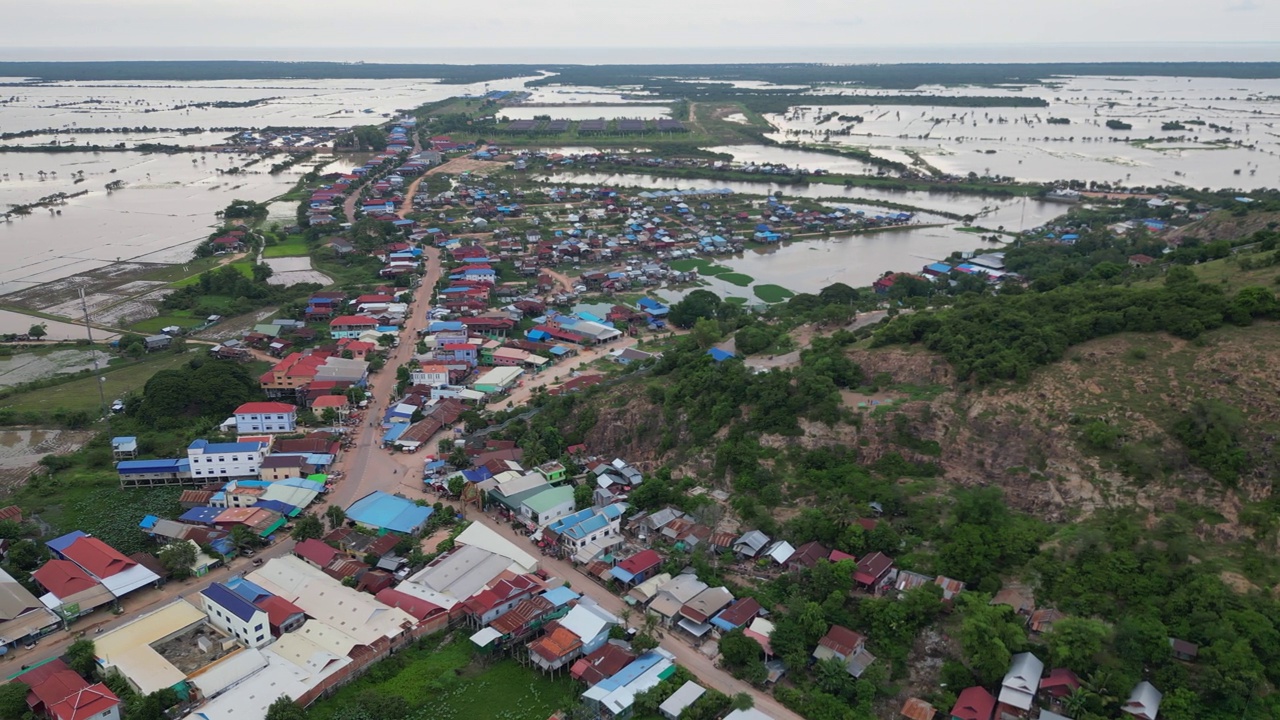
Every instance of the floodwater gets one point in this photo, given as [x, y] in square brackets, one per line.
[12, 322]
[585, 112]
[168, 202]
[26, 367]
[1019, 142]
[289, 103]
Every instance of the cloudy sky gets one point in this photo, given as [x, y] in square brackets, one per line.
[210, 28]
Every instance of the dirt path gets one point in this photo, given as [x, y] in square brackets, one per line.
[564, 281]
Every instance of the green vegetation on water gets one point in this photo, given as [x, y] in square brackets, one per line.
[770, 293]
[736, 278]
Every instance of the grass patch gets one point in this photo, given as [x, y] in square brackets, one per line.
[735, 278]
[244, 266]
[293, 246]
[772, 293]
[82, 394]
[450, 683]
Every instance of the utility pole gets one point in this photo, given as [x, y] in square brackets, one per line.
[88, 331]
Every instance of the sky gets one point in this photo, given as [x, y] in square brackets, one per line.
[558, 30]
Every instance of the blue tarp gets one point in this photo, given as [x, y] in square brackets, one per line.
[719, 355]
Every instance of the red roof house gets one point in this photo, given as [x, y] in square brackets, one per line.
[872, 569]
[974, 703]
[262, 408]
[840, 642]
[1059, 683]
[417, 607]
[315, 552]
[97, 557]
[63, 578]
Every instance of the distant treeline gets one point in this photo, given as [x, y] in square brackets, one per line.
[897, 76]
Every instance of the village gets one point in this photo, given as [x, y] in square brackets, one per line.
[356, 511]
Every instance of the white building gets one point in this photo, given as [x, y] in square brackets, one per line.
[266, 417]
[548, 506]
[235, 616]
[430, 374]
[225, 460]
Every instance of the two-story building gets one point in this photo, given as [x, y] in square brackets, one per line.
[431, 375]
[225, 461]
[266, 417]
[351, 326]
[548, 506]
[236, 616]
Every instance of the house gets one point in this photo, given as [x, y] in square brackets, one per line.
[629, 355]
[673, 595]
[1041, 621]
[315, 553]
[119, 574]
[738, 614]
[266, 417]
[382, 511]
[917, 709]
[873, 570]
[70, 587]
[351, 326]
[1059, 683]
[1143, 702]
[22, 615]
[124, 448]
[1140, 260]
[156, 342]
[431, 375]
[59, 693]
[549, 505]
[807, 555]
[554, 650]
[637, 567]
[278, 467]
[590, 623]
[1019, 687]
[235, 616]
[1183, 650]
[840, 643]
[974, 703]
[225, 461]
[498, 380]
[696, 614]
[614, 697]
[601, 664]
[950, 588]
[750, 544]
[681, 699]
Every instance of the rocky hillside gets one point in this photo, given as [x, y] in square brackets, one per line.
[1091, 431]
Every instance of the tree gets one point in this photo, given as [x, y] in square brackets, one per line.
[178, 558]
[82, 658]
[13, 700]
[741, 655]
[989, 636]
[307, 527]
[243, 538]
[284, 708]
[335, 515]
[583, 496]
[38, 331]
[1075, 642]
[697, 304]
[329, 416]
[706, 332]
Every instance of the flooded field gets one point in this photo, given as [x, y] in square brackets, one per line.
[27, 366]
[17, 323]
[585, 112]
[279, 103]
[167, 203]
[21, 450]
[1020, 142]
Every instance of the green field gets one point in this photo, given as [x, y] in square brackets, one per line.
[772, 293]
[452, 682]
[736, 278]
[293, 246]
[244, 266]
[91, 500]
[82, 394]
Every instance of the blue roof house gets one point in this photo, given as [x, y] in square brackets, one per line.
[720, 355]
